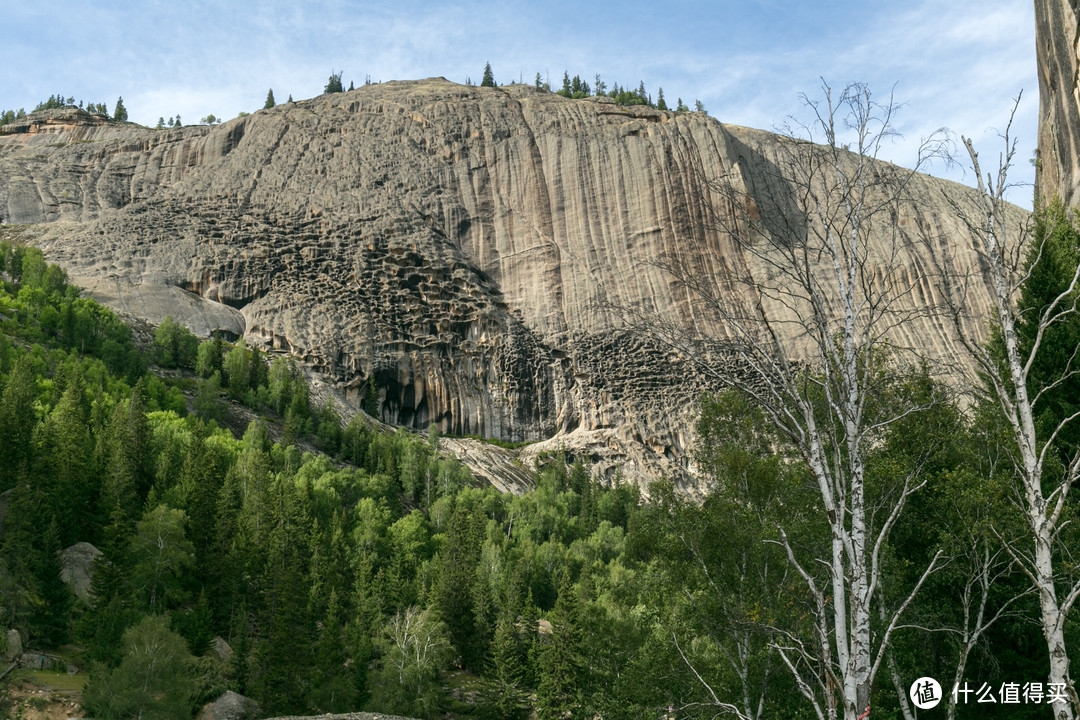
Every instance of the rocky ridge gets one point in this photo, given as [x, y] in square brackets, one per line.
[473, 250]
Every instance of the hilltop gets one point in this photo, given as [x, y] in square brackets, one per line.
[467, 251]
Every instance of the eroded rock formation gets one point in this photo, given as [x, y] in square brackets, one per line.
[472, 249]
[1057, 49]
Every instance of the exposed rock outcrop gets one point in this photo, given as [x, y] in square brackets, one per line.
[14, 646]
[1057, 48]
[346, 716]
[76, 567]
[230, 706]
[470, 248]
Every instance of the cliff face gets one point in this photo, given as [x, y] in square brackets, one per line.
[468, 247]
[1057, 47]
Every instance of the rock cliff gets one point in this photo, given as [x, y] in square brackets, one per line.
[467, 247]
[1057, 49]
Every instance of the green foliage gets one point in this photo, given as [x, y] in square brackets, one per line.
[505, 688]
[209, 357]
[237, 370]
[313, 566]
[120, 113]
[10, 116]
[269, 99]
[174, 345]
[562, 668]
[54, 102]
[414, 649]
[161, 555]
[1051, 263]
[153, 681]
[207, 402]
[454, 596]
[489, 79]
[333, 85]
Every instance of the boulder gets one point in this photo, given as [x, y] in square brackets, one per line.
[230, 706]
[220, 648]
[36, 661]
[76, 564]
[14, 646]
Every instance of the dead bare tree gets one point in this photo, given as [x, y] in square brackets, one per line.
[811, 333]
[1044, 466]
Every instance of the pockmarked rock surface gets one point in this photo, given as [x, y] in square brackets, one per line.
[474, 251]
[1057, 49]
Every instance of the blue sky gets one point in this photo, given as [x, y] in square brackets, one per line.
[957, 64]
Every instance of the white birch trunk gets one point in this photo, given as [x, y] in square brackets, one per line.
[837, 263]
[1041, 511]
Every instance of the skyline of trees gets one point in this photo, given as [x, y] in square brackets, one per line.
[571, 87]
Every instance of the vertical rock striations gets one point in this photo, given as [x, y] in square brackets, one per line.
[474, 250]
[1057, 47]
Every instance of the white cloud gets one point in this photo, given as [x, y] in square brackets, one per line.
[956, 64]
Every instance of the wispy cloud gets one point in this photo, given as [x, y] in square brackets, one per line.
[957, 64]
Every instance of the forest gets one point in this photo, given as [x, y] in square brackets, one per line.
[376, 573]
[867, 524]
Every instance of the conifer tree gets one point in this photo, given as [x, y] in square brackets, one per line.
[54, 600]
[269, 100]
[530, 644]
[561, 669]
[489, 79]
[241, 645]
[128, 477]
[334, 690]
[66, 452]
[283, 656]
[504, 690]
[17, 421]
[333, 85]
[120, 114]
[660, 104]
[454, 590]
